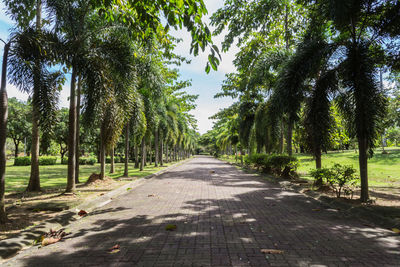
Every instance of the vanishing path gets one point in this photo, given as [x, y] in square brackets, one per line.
[224, 218]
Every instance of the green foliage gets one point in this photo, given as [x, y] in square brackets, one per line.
[280, 165]
[47, 160]
[339, 177]
[87, 161]
[22, 161]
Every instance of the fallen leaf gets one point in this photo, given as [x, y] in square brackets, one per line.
[102, 194]
[171, 227]
[212, 171]
[152, 195]
[316, 210]
[128, 189]
[50, 240]
[82, 213]
[397, 231]
[271, 251]
[114, 249]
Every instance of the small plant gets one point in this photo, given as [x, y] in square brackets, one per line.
[340, 178]
[321, 176]
[344, 178]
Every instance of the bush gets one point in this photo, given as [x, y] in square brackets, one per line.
[280, 165]
[47, 160]
[22, 161]
[321, 176]
[340, 178]
[91, 161]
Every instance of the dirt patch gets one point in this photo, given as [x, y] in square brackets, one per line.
[29, 209]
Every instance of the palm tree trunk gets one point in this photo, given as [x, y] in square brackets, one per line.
[150, 152]
[34, 180]
[102, 157]
[112, 168]
[166, 153]
[78, 112]
[143, 151]
[126, 149]
[289, 137]
[281, 138]
[156, 148]
[241, 156]
[363, 160]
[136, 151]
[162, 152]
[3, 133]
[72, 135]
[236, 156]
[16, 152]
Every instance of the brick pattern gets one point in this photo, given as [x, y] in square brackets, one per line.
[224, 217]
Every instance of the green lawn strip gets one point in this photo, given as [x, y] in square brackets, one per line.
[55, 176]
[383, 169]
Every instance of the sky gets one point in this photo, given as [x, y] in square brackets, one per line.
[203, 84]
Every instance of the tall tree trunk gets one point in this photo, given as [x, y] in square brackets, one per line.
[241, 156]
[78, 112]
[289, 138]
[156, 148]
[102, 156]
[166, 153]
[143, 153]
[236, 155]
[72, 135]
[281, 140]
[150, 152]
[16, 149]
[136, 156]
[3, 133]
[363, 160]
[34, 180]
[126, 149]
[162, 152]
[112, 168]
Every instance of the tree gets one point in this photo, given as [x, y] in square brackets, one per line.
[60, 133]
[18, 122]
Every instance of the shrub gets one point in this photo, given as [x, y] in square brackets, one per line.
[340, 178]
[281, 165]
[91, 161]
[320, 175]
[258, 160]
[47, 160]
[82, 161]
[344, 178]
[22, 161]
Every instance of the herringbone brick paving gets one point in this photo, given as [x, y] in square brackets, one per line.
[224, 217]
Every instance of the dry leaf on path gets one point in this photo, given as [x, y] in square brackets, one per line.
[82, 213]
[53, 237]
[170, 227]
[316, 209]
[397, 231]
[271, 251]
[152, 195]
[114, 249]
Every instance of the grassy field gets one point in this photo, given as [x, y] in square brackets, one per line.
[383, 169]
[55, 176]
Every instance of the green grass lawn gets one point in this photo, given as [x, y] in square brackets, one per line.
[383, 169]
[55, 176]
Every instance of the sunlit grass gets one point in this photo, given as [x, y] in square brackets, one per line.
[383, 169]
[17, 177]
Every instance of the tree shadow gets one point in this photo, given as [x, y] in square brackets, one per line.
[225, 219]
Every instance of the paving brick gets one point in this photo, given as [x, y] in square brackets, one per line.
[223, 218]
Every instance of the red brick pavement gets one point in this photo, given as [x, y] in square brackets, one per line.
[223, 219]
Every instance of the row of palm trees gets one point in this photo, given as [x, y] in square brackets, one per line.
[117, 53]
[286, 76]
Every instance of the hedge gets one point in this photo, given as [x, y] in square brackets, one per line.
[26, 161]
[280, 165]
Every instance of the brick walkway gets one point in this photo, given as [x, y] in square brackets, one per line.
[223, 217]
